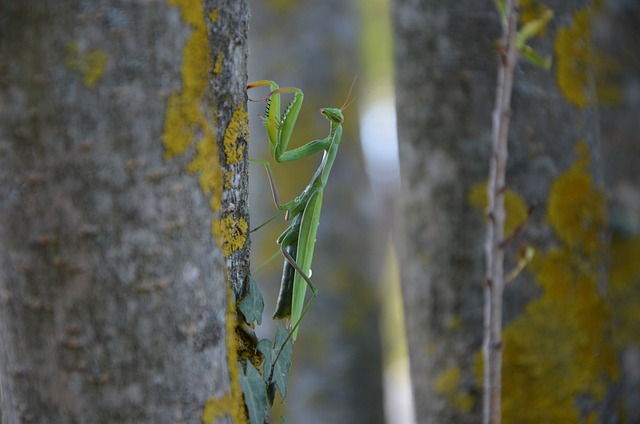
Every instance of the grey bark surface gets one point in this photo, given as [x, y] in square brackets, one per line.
[336, 375]
[113, 294]
[445, 84]
[445, 76]
[617, 32]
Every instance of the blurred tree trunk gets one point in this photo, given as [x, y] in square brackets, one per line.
[115, 219]
[444, 93]
[336, 374]
[569, 351]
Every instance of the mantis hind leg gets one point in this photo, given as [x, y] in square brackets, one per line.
[314, 291]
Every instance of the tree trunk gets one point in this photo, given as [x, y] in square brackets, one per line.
[565, 320]
[122, 181]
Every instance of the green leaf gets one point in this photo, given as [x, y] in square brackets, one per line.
[265, 347]
[533, 57]
[252, 305]
[283, 365]
[533, 28]
[285, 421]
[255, 392]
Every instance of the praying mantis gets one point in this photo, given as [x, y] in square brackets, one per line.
[297, 242]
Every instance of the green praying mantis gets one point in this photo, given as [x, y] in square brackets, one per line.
[297, 242]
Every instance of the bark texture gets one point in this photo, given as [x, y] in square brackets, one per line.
[444, 89]
[113, 288]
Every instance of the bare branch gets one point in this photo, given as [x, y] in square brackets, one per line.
[494, 246]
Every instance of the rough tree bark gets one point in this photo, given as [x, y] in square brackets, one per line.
[569, 354]
[122, 151]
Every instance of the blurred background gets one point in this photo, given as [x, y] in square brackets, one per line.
[340, 368]
[572, 351]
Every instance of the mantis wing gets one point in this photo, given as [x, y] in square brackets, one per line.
[283, 307]
[306, 244]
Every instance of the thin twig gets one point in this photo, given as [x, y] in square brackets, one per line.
[518, 229]
[494, 252]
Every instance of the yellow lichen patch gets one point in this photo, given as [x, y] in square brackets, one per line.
[218, 66]
[234, 233]
[231, 403]
[185, 118]
[191, 11]
[560, 348]
[206, 165]
[572, 47]
[576, 208]
[448, 384]
[448, 381]
[624, 280]
[537, 375]
[514, 205]
[90, 64]
[177, 136]
[215, 408]
[556, 279]
[214, 15]
[555, 352]
[195, 65]
[228, 180]
[580, 64]
[238, 127]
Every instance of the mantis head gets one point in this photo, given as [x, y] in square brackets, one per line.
[333, 114]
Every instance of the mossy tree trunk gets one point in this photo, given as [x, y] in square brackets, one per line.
[569, 353]
[122, 179]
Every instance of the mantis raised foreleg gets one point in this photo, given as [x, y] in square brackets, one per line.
[298, 240]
